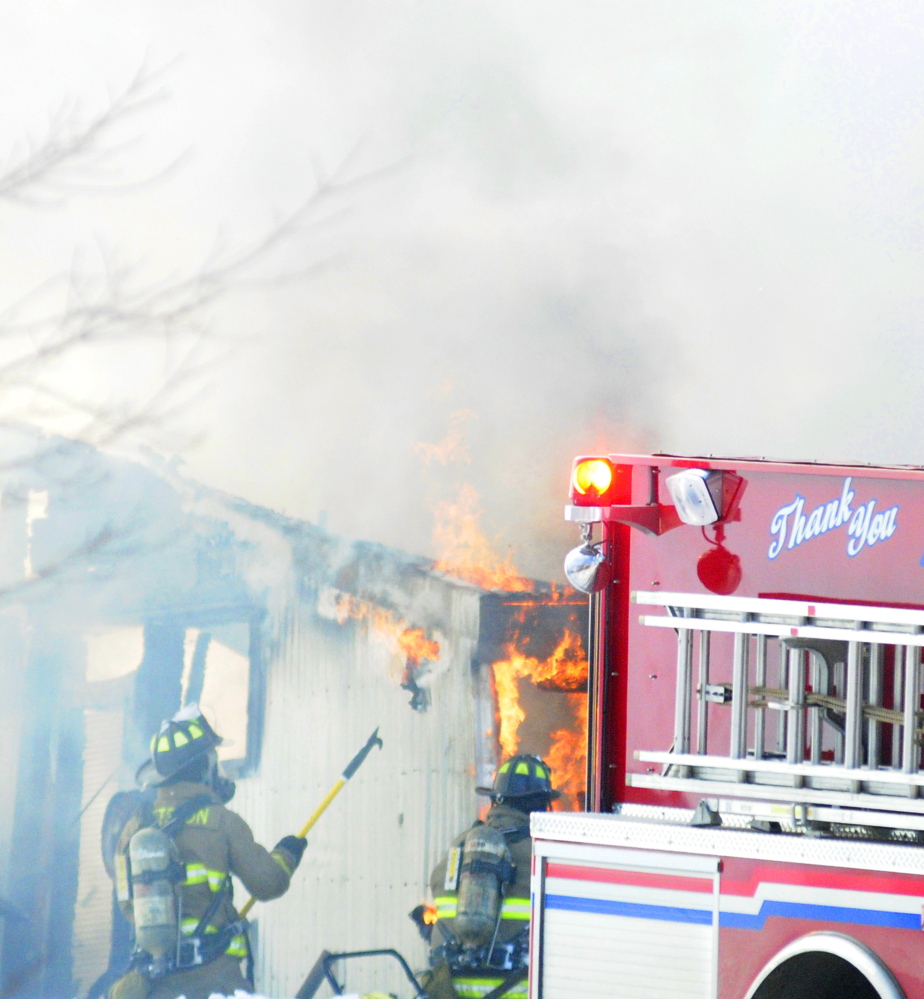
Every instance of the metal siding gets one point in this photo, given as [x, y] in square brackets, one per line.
[93, 912]
[369, 858]
[13, 644]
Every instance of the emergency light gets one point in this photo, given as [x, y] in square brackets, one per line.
[697, 495]
[593, 482]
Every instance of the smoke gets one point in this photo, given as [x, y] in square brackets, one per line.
[604, 225]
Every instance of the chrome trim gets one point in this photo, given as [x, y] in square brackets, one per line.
[844, 947]
[739, 720]
[799, 815]
[792, 608]
[911, 751]
[812, 795]
[583, 514]
[682, 692]
[828, 771]
[784, 630]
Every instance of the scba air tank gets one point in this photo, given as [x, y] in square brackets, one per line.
[485, 869]
[154, 859]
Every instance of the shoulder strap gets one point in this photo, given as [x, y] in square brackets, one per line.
[513, 834]
[144, 815]
[185, 810]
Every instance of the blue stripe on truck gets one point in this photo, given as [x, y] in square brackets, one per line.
[607, 907]
[824, 913]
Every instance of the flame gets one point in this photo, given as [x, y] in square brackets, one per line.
[462, 550]
[410, 645]
[465, 552]
[565, 595]
[565, 668]
[511, 715]
[568, 757]
[452, 447]
[416, 647]
[430, 915]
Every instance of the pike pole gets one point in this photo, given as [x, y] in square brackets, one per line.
[351, 769]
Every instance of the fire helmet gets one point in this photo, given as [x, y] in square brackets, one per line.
[523, 776]
[181, 740]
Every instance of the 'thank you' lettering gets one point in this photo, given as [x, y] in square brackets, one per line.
[791, 526]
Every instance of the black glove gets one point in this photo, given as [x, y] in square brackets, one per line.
[425, 928]
[294, 845]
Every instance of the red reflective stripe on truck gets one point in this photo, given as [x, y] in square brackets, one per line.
[856, 881]
[640, 879]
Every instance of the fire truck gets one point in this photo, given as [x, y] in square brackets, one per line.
[754, 825]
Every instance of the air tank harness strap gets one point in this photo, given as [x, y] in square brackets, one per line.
[514, 978]
[205, 948]
[213, 908]
[516, 834]
[175, 872]
[503, 869]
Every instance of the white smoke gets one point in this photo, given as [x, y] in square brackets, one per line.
[611, 224]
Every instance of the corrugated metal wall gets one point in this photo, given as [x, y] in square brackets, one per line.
[93, 911]
[328, 685]
[13, 653]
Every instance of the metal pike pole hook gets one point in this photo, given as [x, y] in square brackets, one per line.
[351, 769]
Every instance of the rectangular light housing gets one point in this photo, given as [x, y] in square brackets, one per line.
[697, 495]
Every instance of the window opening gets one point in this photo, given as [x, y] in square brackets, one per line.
[216, 675]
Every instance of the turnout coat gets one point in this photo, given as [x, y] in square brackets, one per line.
[213, 843]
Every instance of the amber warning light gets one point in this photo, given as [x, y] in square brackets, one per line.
[593, 482]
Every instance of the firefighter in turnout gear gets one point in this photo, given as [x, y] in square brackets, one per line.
[173, 868]
[479, 943]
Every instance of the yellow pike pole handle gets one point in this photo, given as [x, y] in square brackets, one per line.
[351, 769]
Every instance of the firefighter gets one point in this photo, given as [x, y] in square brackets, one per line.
[480, 940]
[196, 949]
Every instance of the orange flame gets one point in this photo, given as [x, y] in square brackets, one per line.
[465, 552]
[565, 668]
[416, 647]
[568, 756]
[430, 915]
[453, 446]
[411, 645]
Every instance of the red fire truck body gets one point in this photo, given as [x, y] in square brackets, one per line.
[755, 823]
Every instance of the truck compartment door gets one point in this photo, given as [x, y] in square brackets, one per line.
[628, 923]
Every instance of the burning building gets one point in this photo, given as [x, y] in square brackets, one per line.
[532, 648]
[128, 592]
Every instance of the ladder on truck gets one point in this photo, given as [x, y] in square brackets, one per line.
[824, 705]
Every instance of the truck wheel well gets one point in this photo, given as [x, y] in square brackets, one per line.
[816, 975]
[825, 965]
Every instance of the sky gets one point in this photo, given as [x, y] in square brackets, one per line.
[543, 229]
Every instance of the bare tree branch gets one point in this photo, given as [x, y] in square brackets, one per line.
[81, 320]
[75, 155]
